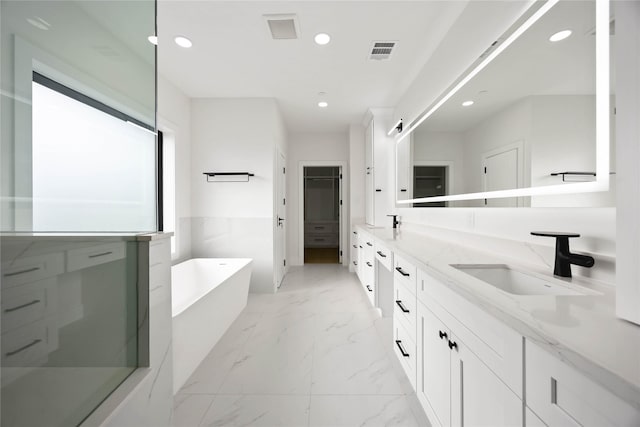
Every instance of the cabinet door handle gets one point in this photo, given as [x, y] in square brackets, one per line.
[404, 190]
[355, 246]
[101, 254]
[360, 246]
[381, 254]
[369, 288]
[369, 244]
[18, 307]
[378, 190]
[23, 348]
[399, 270]
[399, 344]
[402, 307]
[443, 335]
[369, 264]
[452, 345]
[16, 273]
[355, 232]
[355, 262]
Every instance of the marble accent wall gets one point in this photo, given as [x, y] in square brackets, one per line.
[237, 238]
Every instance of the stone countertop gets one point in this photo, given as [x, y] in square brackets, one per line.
[581, 330]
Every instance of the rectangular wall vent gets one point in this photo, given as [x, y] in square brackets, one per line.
[381, 50]
[282, 27]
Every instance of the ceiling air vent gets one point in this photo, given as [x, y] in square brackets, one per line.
[282, 27]
[381, 50]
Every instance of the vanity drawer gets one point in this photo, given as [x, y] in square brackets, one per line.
[404, 308]
[320, 240]
[404, 271]
[320, 227]
[561, 396]
[81, 258]
[384, 256]
[406, 351]
[30, 344]
[31, 269]
[22, 305]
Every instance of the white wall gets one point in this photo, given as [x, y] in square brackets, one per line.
[235, 219]
[310, 147]
[443, 146]
[174, 115]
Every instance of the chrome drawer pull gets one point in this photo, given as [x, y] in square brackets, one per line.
[102, 254]
[11, 353]
[402, 307]
[9, 310]
[16, 273]
[399, 344]
[399, 270]
[381, 254]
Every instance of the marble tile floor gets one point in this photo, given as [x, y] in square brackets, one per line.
[313, 354]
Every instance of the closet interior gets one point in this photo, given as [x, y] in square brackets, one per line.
[322, 214]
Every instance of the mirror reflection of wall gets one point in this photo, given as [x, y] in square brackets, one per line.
[529, 114]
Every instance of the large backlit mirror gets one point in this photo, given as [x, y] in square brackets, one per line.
[528, 125]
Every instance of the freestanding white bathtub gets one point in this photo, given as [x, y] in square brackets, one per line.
[208, 294]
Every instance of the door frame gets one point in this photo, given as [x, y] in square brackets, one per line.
[280, 193]
[519, 147]
[342, 223]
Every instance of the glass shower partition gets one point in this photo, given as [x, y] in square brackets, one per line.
[69, 325]
[78, 156]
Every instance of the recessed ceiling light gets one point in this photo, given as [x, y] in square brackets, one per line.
[39, 23]
[560, 35]
[153, 40]
[323, 104]
[467, 103]
[183, 41]
[322, 38]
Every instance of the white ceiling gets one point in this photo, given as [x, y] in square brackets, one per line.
[234, 56]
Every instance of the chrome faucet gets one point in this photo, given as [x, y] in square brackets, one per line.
[564, 257]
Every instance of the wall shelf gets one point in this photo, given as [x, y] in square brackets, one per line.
[576, 174]
[228, 176]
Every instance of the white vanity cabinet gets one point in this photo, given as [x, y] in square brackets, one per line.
[379, 147]
[367, 265]
[559, 395]
[404, 316]
[460, 377]
[364, 262]
[354, 251]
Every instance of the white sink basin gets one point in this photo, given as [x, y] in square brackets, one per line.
[517, 282]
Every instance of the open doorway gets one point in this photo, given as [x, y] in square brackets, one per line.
[322, 193]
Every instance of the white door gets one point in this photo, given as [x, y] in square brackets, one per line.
[403, 169]
[478, 396]
[502, 172]
[280, 229]
[434, 358]
[369, 194]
